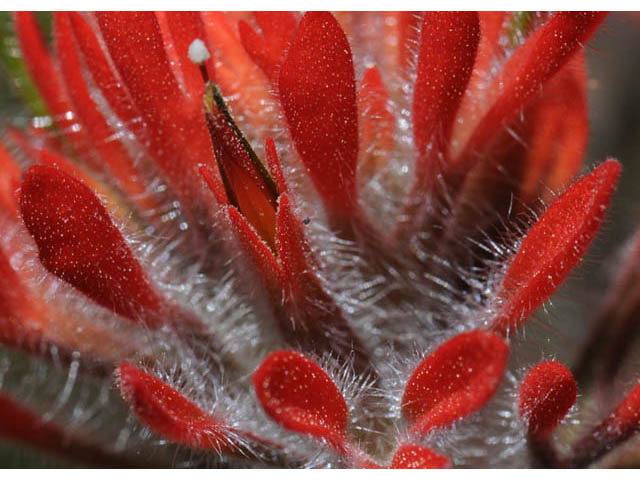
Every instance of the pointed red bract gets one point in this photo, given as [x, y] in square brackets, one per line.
[448, 45]
[136, 46]
[554, 245]
[180, 29]
[542, 55]
[546, 395]
[403, 30]
[46, 76]
[557, 133]
[113, 154]
[626, 417]
[248, 183]
[274, 165]
[21, 318]
[454, 381]
[105, 76]
[417, 457]
[78, 242]
[318, 95]
[296, 393]
[292, 249]
[170, 413]
[376, 123]
[267, 51]
[619, 426]
[258, 250]
[9, 183]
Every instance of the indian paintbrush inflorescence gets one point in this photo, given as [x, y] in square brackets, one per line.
[290, 240]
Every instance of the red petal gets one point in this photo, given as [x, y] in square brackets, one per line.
[300, 396]
[78, 242]
[546, 395]
[170, 413]
[623, 422]
[318, 96]
[179, 30]
[9, 183]
[274, 165]
[111, 151]
[105, 76]
[415, 456]
[454, 381]
[554, 245]
[559, 132]
[376, 123]
[47, 78]
[179, 139]
[543, 54]
[315, 321]
[267, 51]
[448, 46]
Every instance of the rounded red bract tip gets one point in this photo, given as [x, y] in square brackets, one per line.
[300, 396]
[546, 395]
[454, 381]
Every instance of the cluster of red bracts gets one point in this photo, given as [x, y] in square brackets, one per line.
[139, 64]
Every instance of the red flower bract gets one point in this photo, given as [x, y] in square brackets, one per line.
[454, 381]
[304, 200]
[546, 395]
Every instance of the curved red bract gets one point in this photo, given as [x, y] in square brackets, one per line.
[546, 395]
[78, 242]
[417, 457]
[554, 245]
[454, 381]
[300, 396]
[318, 95]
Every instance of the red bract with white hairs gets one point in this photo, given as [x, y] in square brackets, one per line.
[546, 395]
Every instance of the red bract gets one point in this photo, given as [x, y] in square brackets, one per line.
[114, 156]
[406, 138]
[9, 183]
[376, 123]
[318, 95]
[78, 242]
[544, 53]
[625, 419]
[448, 45]
[623, 422]
[454, 381]
[49, 80]
[300, 396]
[248, 184]
[554, 245]
[267, 51]
[136, 47]
[546, 395]
[557, 143]
[415, 456]
[170, 413]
